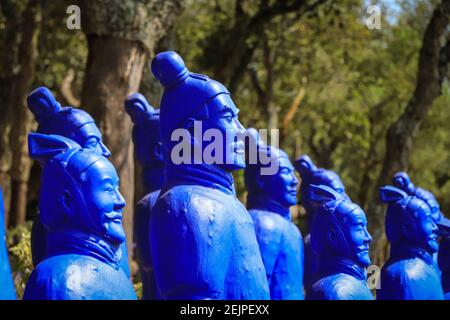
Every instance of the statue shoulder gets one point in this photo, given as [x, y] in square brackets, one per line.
[57, 278]
[339, 287]
[410, 279]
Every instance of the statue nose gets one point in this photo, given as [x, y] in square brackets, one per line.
[120, 201]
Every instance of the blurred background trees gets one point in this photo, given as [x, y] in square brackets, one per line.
[311, 68]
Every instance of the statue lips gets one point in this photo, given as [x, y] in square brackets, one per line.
[239, 149]
[115, 216]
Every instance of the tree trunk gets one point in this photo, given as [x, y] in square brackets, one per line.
[22, 119]
[106, 86]
[8, 59]
[433, 64]
[120, 33]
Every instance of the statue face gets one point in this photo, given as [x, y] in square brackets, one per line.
[357, 236]
[223, 115]
[423, 230]
[282, 187]
[89, 137]
[104, 201]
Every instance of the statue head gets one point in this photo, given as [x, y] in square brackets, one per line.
[409, 220]
[310, 174]
[281, 186]
[79, 188]
[402, 181]
[191, 100]
[146, 131]
[339, 227]
[72, 123]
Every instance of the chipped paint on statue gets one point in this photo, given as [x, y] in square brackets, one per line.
[410, 272]
[81, 207]
[7, 290]
[340, 238]
[312, 175]
[148, 152]
[280, 241]
[72, 123]
[202, 238]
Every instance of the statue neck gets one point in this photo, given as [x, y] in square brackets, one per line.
[76, 242]
[400, 251]
[263, 202]
[332, 264]
[153, 178]
[211, 176]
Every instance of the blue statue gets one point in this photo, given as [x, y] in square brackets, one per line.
[7, 290]
[311, 175]
[149, 153]
[202, 238]
[340, 238]
[72, 123]
[444, 264]
[410, 272]
[81, 207]
[402, 181]
[280, 241]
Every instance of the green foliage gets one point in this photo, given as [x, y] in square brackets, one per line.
[19, 247]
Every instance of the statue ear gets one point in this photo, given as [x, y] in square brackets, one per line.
[137, 106]
[42, 103]
[322, 194]
[42, 147]
[157, 151]
[304, 166]
[66, 200]
[390, 194]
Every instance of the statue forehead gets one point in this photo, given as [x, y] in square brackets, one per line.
[223, 102]
[101, 170]
[89, 129]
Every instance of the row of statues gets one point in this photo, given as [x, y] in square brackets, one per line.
[194, 238]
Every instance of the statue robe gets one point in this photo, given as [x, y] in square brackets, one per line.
[203, 240]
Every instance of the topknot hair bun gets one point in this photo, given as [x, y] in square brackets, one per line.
[169, 68]
[137, 106]
[42, 103]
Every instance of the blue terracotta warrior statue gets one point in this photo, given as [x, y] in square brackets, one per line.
[311, 175]
[7, 291]
[72, 123]
[340, 238]
[81, 207]
[280, 241]
[410, 272]
[148, 151]
[402, 181]
[202, 238]
[444, 264]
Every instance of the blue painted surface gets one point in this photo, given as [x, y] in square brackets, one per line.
[81, 207]
[202, 238]
[72, 123]
[280, 241]
[7, 290]
[410, 273]
[340, 238]
[444, 265]
[312, 175]
[148, 152]
[402, 181]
